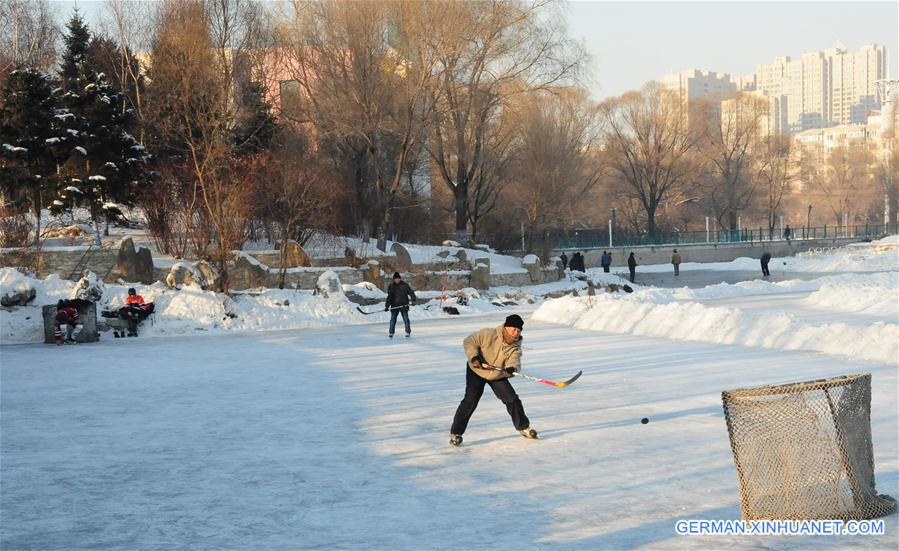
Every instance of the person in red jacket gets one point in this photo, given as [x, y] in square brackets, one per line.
[65, 315]
[135, 310]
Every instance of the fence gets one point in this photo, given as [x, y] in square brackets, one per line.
[590, 238]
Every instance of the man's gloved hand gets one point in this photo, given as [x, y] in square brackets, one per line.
[476, 363]
[386, 308]
[510, 371]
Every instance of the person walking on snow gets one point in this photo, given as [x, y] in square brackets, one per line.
[564, 259]
[675, 259]
[632, 266]
[605, 261]
[399, 297]
[494, 355]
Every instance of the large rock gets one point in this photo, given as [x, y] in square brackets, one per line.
[328, 285]
[403, 262]
[531, 263]
[296, 256]
[185, 273]
[89, 287]
[480, 274]
[211, 275]
[248, 273]
[134, 265]
[19, 296]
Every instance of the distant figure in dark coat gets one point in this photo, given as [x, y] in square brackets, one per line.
[564, 259]
[766, 258]
[399, 297]
[606, 261]
[632, 266]
[577, 263]
[676, 259]
[788, 233]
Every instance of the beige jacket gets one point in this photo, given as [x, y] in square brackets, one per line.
[675, 258]
[489, 345]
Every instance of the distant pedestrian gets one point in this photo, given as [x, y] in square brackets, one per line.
[788, 233]
[564, 259]
[632, 266]
[577, 262]
[675, 259]
[399, 297]
[605, 261]
[766, 258]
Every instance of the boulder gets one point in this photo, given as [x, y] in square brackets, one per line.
[185, 273]
[89, 287]
[248, 273]
[328, 285]
[531, 263]
[19, 296]
[403, 262]
[134, 265]
[480, 274]
[87, 326]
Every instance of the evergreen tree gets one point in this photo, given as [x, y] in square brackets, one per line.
[256, 127]
[105, 161]
[29, 139]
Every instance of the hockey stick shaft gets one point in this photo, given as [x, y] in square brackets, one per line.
[377, 311]
[560, 384]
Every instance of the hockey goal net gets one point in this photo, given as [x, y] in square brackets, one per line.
[804, 451]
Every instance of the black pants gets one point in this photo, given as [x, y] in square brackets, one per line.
[765, 271]
[474, 388]
[633, 273]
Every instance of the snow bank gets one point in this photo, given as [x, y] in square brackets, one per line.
[651, 315]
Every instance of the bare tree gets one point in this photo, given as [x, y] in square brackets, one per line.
[293, 194]
[492, 51]
[554, 160]
[366, 70]
[847, 181]
[28, 35]
[774, 174]
[730, 135]
[649, 147]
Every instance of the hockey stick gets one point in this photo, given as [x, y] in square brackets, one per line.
[377, 311]
[561, 384]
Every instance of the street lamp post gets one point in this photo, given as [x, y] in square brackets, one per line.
[611, 226]
[887, 89]
[808, 222]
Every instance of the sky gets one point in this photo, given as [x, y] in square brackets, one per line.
[632, 42]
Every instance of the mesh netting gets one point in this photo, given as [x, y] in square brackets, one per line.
[803, 450]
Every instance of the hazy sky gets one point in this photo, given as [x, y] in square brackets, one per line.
[633, 42]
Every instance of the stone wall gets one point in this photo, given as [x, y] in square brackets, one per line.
[62, 261]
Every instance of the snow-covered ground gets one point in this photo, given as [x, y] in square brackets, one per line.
[300, 426]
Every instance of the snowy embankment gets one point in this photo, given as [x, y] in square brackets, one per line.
[680, 314]
[192, 310]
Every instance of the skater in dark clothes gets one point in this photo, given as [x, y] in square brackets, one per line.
[494, 354]
[632, 266]
[399, 297]
[766, 258]
[564, 259]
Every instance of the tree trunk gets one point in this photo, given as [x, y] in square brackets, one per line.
[460, 194]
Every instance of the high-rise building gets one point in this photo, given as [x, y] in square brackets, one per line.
[694, 84]
[826, 88]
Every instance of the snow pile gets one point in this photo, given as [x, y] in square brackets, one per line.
[657, 315]
[192, 310]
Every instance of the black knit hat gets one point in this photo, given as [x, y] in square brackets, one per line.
[396, 275]
[514, 321]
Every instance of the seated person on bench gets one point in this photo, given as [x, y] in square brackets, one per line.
[134, 312]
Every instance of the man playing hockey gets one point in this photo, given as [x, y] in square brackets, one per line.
[494, 355]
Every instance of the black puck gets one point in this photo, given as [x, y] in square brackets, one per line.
[644, 420]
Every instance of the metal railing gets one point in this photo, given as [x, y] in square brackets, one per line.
[597, 238]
